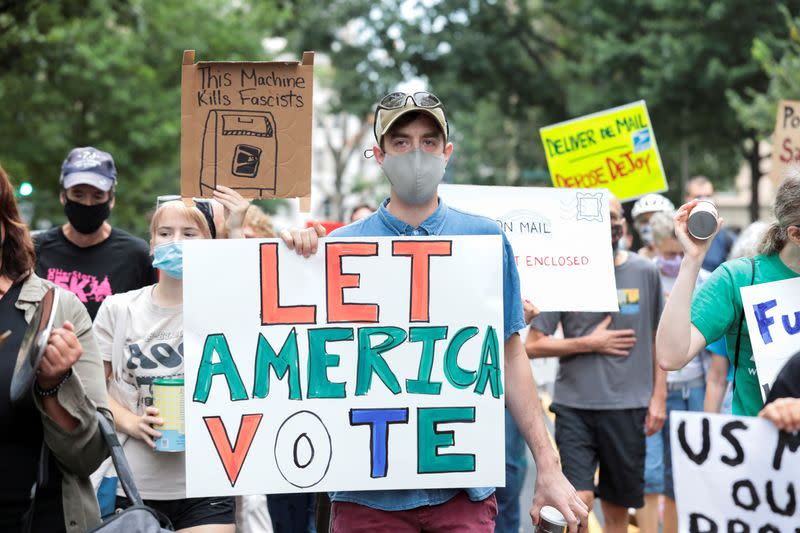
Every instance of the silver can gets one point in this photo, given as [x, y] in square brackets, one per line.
[551, 521]
[703, 220]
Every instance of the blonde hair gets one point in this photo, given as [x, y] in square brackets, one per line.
[662, 226]
[259, 222]
[787, 213]
[191, 213]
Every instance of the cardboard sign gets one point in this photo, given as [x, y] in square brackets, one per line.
[786, 142]
[375, 364]
[772, 311]
[246, 125]
[561, 240]
[734, 474]
[614, 149]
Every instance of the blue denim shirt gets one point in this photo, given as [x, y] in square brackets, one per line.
[444, 221]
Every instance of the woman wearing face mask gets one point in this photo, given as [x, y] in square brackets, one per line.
[688, 325]
[685, 388]
[140, 337]
[642, 212]
[60, 409]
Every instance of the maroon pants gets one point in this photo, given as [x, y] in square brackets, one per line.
[459, 514]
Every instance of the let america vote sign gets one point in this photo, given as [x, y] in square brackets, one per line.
[375, 364]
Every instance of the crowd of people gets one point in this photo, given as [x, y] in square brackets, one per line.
[677, 343]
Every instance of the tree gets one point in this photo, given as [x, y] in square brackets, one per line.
[779, 58]
[107, 74]
[682, 57]
[510, 67]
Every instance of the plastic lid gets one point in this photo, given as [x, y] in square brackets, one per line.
[170, 382]
[552, 515]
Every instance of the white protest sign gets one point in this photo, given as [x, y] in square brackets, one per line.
[375, 364]
[561, 240]
[772, 311]
[734, 474]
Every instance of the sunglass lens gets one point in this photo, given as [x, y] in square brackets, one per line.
[393, 100]
[425, 99]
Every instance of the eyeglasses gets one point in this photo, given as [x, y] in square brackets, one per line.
[203, 204]
[397, 100]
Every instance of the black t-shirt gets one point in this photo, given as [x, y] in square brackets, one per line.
[22, 438]
[787, 384]
[121, 263]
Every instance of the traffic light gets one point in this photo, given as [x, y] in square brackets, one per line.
[25, 188]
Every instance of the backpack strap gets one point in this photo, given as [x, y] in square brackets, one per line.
[741, 323]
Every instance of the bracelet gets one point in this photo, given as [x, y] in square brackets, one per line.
[44, 393]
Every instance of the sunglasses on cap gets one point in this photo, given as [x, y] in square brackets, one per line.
[397, 100]
[203, 204]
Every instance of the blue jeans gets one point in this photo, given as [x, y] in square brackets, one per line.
[686, 398]
[507, 520]
[654, 463]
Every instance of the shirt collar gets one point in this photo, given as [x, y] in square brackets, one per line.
[430, 226]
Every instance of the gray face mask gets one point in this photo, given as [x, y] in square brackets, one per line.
[414, 175]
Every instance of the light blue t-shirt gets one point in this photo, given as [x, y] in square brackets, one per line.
[444, 221]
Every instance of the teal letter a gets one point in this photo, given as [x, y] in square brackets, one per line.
[226, 366]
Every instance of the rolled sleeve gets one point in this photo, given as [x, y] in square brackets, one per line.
[513, 315]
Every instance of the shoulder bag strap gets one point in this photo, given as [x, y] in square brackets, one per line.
[741, 323]
[120, 462]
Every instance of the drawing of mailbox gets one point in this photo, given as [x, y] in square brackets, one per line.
[240, 150]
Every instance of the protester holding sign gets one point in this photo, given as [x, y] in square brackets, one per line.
[82, 256]
[411, 133]
[140, 335]
[58, 415]
[717, 307]
[609, 392]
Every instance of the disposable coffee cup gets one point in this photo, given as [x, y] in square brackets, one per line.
[551, 521]
[703, 220]
[168, 399]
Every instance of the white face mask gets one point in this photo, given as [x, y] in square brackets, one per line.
[414, 175]
[645, 233]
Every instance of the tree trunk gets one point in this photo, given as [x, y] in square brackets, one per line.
[684, 176]
[754, 160]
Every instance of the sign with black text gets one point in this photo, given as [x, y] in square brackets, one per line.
[734, 474]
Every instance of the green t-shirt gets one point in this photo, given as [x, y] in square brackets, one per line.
[716, 310]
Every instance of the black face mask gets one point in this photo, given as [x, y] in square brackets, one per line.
[616, 235]
[86, 218]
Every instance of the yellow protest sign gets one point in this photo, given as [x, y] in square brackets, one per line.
[614, 149]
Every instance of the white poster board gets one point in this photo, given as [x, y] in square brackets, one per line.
[772, 311]
[731, 473]
[375, 364]
[561, 240]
